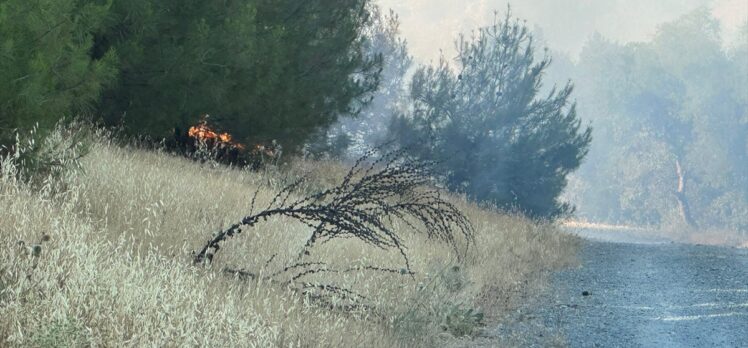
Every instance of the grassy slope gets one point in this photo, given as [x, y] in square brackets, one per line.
[117, 267]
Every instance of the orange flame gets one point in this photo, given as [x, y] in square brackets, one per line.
[203, 132]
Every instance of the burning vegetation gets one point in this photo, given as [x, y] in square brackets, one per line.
[202, 132]
[202, 139]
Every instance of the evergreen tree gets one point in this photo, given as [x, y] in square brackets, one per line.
[371, 128]
[46, 71]
[353, 135]
[265, 70]
[485, 124]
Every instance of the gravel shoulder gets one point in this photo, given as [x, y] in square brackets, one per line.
[652, 294]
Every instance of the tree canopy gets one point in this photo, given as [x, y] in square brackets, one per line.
[492, 134]
[46, 71]
[265, 70]
[671, 115]
[353, 135]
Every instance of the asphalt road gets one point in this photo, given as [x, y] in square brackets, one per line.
[642, 295]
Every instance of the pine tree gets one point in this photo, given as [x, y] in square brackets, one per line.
[354, 135]
[265, 70]
[488, 129]
[46, 71]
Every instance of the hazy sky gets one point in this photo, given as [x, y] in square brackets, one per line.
[430, 25]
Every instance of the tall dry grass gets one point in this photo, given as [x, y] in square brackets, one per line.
[104, 259]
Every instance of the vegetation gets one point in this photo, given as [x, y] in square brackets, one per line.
[493, 137]
[266, 70]
[108, 260]
[363, 206]
[351, 137]
[672, 147]
[279, 75]
[46, 71]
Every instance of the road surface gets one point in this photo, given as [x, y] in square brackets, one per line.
[655, 294]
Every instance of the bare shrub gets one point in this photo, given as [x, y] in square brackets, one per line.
[363, 206]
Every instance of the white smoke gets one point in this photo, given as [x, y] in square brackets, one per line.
[432, 25]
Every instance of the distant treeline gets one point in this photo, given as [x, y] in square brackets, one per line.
[671, 125]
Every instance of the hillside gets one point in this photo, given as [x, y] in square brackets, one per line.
[102, 256]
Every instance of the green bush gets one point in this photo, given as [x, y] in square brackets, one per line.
[460, 321]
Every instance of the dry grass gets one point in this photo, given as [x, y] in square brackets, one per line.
[117, 267]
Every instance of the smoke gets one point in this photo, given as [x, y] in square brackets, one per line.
[566, 27]
[432, 25]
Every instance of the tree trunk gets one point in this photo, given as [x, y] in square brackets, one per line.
[683, 207]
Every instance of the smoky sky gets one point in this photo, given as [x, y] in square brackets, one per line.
[432, 25]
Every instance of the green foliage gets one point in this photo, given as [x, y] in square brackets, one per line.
[484, 122]
[357, 134]
[45, 67]
[266, 70]
[263, 69]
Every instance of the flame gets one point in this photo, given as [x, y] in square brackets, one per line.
[203, 132]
